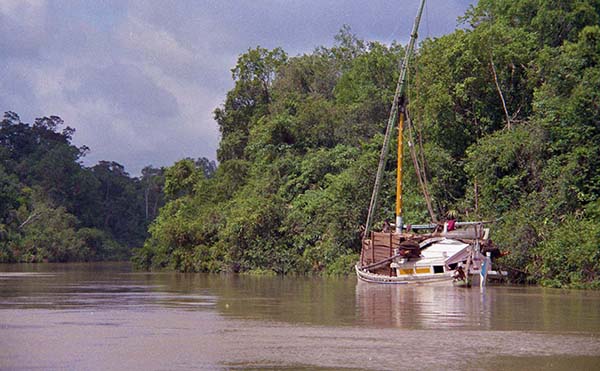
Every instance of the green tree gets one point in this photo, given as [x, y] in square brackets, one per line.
[253, 76]
[503, 120]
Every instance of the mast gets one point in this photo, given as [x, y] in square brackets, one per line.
[396, 113]
[399, 221]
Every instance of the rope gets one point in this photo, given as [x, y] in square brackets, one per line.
[397, 102]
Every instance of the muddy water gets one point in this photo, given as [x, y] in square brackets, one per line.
[104, 316]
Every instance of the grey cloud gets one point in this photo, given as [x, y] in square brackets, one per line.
[126, 88]
[139, 80]
[16, 91]
[300, 25]
[160, 143]
[20, 36]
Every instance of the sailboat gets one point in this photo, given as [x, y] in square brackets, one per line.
[458, 252]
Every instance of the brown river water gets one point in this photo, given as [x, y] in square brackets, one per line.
[108, 317]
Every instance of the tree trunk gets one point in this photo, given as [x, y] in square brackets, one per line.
[508, 125]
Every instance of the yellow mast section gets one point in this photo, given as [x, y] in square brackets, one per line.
[399, 166]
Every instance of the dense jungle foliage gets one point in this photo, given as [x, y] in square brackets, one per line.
[52, 208]
[506, 112]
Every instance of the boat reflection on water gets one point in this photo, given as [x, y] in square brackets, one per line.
[423, 306]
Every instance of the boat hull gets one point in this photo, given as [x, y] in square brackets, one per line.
[444, 278]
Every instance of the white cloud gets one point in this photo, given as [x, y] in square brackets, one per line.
[31, 12]
[22, 27]
[152, 44]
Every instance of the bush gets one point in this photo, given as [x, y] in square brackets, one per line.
[570, 257]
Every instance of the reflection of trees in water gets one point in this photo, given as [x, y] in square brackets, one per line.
[291, 299]
[301, 300]
[319, 301]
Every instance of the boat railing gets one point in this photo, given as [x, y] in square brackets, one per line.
[383, 247]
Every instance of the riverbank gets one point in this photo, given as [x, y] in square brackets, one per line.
[106, 316]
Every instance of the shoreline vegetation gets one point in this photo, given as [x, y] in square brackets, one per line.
[505, 110]
[54, 209]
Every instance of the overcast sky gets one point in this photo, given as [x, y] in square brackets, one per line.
[139, 80]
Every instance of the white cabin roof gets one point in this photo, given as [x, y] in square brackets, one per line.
[443, 252]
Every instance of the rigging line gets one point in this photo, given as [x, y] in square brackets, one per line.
[428, 31]
[420, 174]
[409, 93]
[390, 37]
[420, 168]
[418, 128]
[399, 98]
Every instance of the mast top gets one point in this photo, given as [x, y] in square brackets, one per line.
[397, 105]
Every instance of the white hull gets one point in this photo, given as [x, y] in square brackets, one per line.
[403, 279]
